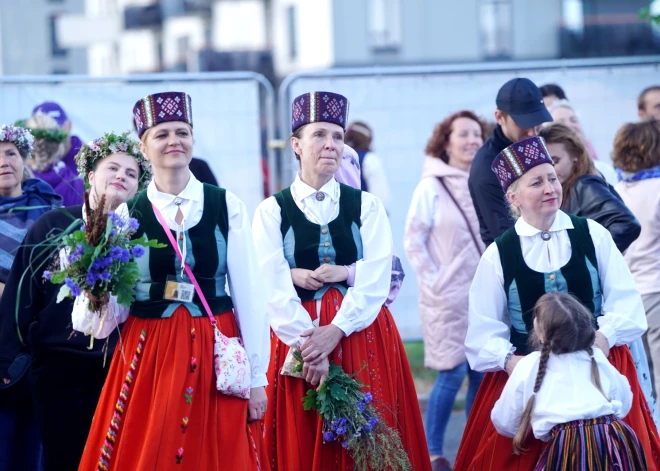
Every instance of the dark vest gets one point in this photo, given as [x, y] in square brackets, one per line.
[308, 245]
[524, 286]
[206, 248]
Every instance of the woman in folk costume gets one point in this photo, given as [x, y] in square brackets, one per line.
[160, 408]
[317, 222]
[546, 251]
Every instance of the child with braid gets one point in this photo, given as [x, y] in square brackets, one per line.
[570, 395]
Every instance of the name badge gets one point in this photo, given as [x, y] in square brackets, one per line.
[178, 290]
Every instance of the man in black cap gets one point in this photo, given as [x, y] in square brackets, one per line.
[520, 110]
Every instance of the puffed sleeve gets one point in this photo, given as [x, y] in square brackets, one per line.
[373, 272]
[619, 392]
[246, 293]
[287, 317]
[623, 320]
[508, 409]
[419, 224]
[487, 341]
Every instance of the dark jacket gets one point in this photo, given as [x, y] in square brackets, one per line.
[43, 323]
[593, 198]
[489, 200]
[202, 171]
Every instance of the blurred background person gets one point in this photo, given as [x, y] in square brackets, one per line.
[22, 200]
[637, 156]
[520, 110]
[563, 112]
[443, 245]
[552, 92]
[48, 161]
[648, 103]
[72, 143]
[373, 179]
[584, 191]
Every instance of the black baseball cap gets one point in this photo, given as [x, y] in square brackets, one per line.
[523, 101]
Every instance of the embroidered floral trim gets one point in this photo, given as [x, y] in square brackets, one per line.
[192, 334]
[254, 447]
[188, 395]
[179, 455]
[115, 422]
[184, 425]
[193, 365]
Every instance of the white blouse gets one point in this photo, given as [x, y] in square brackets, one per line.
[487, 342]
[567, 393]
[242, 267]
[363, 301]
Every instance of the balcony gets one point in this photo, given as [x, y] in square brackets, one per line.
[186, 7]
[150, 16]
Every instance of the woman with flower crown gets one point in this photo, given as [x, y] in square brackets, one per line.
[67, 376]
[161, 409]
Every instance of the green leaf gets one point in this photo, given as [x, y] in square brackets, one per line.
[337, 392]
[64, 293]
[310, 400]
[58, 278]
[77, 237]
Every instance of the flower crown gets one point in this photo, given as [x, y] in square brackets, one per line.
[109, 144]
[20, 137]
[55, 135]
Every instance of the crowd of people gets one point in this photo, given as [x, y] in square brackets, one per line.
[538, 269]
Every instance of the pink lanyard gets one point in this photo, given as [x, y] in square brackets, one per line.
[161, 219]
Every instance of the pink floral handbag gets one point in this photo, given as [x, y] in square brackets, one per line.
[232, 367]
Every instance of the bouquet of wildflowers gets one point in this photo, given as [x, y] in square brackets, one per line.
[349, 418]
[100, 259]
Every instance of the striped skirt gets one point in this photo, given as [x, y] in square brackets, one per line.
[600, 444]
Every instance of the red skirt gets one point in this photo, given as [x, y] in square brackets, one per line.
[482, 448]
[293, 436]
[160, 408]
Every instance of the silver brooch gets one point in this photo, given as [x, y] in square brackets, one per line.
[545, 235]
[320, 196]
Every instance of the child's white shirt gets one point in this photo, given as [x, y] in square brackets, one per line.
[566, 394]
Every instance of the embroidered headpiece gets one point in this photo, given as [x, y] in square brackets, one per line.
[161, 108]
[517, 159]
[317, 107]
[20, 137]
[109, 144]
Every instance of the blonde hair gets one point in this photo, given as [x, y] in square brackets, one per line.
[513, 189]
[566, 326]
[44, 149]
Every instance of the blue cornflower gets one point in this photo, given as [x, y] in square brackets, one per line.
[105, 275]
[328, 436]
[138, 251]
[341, 430]
[344, 444]
[75, 289]
[360, 406]
[48, 275]
[373, 421]
[368, 398]
[91, 277]
[125, 256]
[115, 252]
[133, 224]
[75, 256]
[101, 262]
[117, 221]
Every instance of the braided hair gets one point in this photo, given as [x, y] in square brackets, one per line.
[564, 326]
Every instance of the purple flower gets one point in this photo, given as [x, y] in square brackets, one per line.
[373, 421]
[105, 275]
[328, 436]
[75, 256]
[368, 398]
[341, 430]
[125, 256]
[48, 275]
[75, 289]
[344, 444]
[360, 406]
[91, 278]
[138, 251]
[133, 224]
[117, 221]
[102, 262]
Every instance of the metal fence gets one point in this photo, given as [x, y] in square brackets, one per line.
[403, 104]
[233, 115]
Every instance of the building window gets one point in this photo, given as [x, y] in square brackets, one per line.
[496, 28]
[55, 49]
[573, 16]
[385, 23]
[291, 25]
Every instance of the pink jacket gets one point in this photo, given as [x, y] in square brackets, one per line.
[444, 252]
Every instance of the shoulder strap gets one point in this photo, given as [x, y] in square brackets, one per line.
[458, 206]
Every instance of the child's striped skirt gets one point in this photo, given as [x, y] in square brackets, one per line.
[601, 444]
